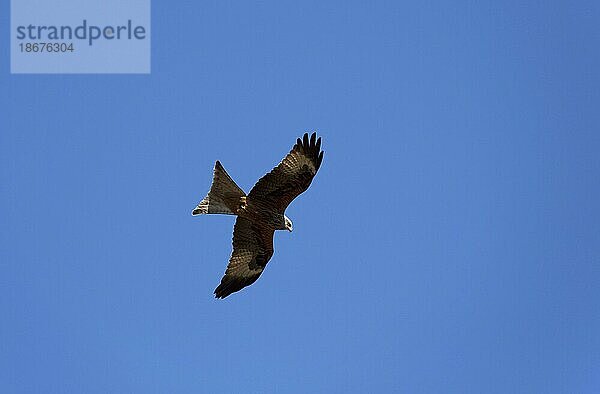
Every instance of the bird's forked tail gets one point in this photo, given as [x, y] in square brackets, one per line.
[223, 197]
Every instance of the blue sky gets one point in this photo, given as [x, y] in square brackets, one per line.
[449, 243]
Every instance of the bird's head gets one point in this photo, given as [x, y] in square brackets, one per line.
[288, 224]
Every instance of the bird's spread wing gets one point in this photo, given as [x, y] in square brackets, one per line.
[252, 249]
[292, 176]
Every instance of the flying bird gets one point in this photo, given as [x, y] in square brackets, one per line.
[260, 212]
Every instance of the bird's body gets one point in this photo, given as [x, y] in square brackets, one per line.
[261, 212]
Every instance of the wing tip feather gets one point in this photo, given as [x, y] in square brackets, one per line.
[311, 147]
[232, 284]
[223, 290]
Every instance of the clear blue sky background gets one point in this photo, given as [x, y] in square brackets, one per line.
[450, 242]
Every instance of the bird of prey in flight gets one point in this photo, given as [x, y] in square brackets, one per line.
[260, 212]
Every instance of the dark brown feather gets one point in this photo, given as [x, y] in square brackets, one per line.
[252, 250]
[292, 176]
